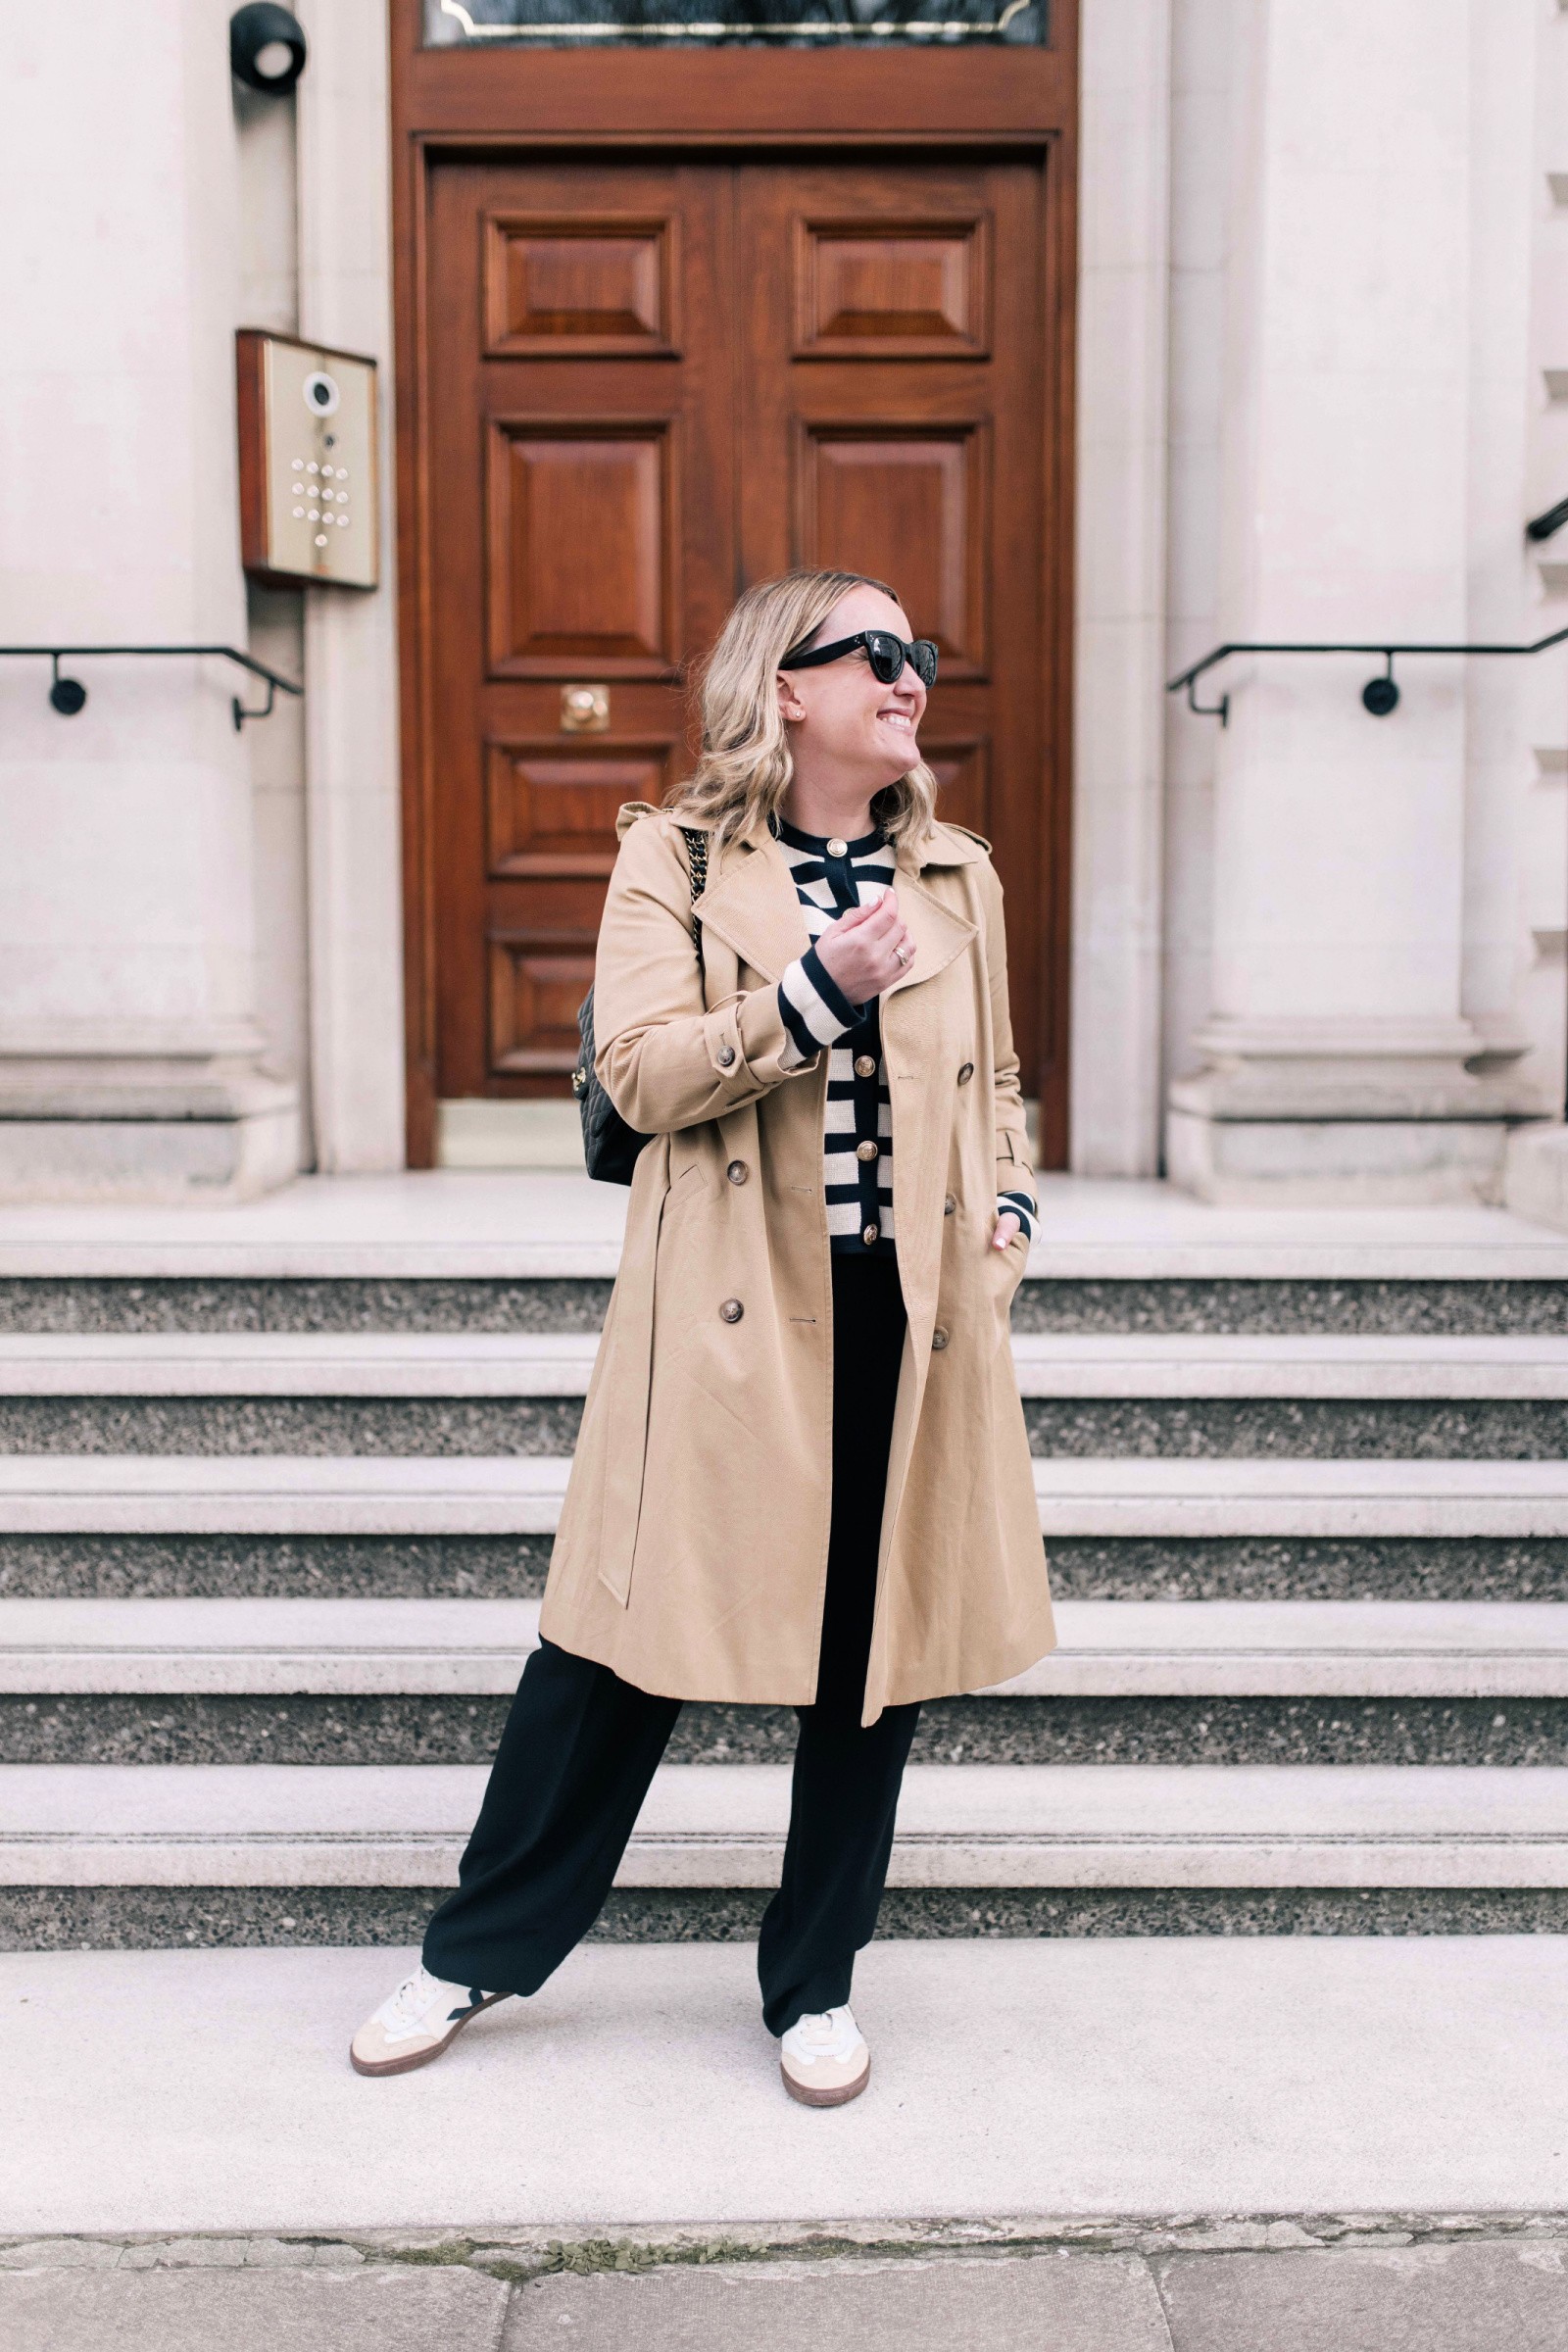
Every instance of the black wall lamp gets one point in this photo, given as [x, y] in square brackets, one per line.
[265, 48]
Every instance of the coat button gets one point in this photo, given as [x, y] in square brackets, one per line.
[866, 1150]
[737, 1171]
[731, 1311]
[837, 848]
[865, 1065]
[870, 1234]
[939, 1337]
[965, 1073]
[726, 1055]
[949, 1204]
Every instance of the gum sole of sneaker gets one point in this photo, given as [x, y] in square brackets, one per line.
[839, 2096]
[405, 2066]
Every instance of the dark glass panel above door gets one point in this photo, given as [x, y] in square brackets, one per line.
[807, 23]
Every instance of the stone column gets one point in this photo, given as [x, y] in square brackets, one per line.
[354, 808]
[1124, 221]
[1339, 1063]
[130, 1061]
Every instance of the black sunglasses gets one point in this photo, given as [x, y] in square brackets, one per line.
[886, 654]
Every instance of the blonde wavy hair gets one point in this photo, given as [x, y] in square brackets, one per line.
[743, 768]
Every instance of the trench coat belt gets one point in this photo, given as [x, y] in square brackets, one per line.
[626, 1429]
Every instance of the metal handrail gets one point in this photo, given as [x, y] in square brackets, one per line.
[1379, 695]
[68, 696]
[1543, 527]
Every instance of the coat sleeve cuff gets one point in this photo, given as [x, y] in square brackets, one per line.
[1013, 1172]
[751, 1047]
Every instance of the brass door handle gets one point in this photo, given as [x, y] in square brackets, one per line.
[584, 710]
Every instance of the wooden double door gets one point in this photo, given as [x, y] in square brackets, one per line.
[651, 383]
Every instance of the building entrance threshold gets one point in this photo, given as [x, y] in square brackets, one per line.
[450, 1222]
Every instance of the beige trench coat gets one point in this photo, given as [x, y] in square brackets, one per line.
[692, 1552]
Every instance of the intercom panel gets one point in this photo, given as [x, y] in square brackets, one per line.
[307, 462]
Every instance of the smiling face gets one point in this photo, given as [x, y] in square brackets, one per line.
[841, 718]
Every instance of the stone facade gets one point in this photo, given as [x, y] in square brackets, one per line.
[1323, 383]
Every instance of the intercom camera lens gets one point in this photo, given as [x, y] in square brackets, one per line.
[321, 395]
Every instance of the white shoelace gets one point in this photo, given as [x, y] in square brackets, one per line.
[828, 2033]
[404, 2011]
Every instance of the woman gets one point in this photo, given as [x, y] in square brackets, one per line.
[803, 1476]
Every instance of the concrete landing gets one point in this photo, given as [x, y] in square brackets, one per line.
[176, 2092]
[455, 1224]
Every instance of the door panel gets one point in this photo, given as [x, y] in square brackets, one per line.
[911, 291]
[601, 285]
[962, 771]
[651, 384]
[581, 531]
[550, 804]
[555, 491]
[894, 423]
[909, 508]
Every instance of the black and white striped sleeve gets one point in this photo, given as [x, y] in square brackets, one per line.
[1020, 1205]
[815, 1009]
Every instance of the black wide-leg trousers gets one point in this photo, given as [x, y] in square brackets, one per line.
[580, 1747]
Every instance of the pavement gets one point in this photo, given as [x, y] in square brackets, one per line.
[1499, 2295]
[208, 2090]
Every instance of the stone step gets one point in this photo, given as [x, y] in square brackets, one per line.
[248, 1681]
[363, 1648]
[1306, 1427]
[280, 1495]
[1296, 1365]
[521, 1495]
[1371, 1368]
[269, 1363]
[1484, 1299]
[483, 1394]
[715, 1827]
[293, 1564]
[461, 1254]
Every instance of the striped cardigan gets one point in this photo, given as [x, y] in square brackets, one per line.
[830, 875]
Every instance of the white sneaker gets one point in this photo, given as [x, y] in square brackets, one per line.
[824, 2060]
[416, 2023]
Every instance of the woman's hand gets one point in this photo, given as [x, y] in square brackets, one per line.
[1007, 1228]
[860, 950]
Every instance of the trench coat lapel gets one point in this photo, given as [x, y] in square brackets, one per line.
[752, 905]
[939, 934]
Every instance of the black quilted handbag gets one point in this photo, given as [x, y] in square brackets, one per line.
[609, 1146]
